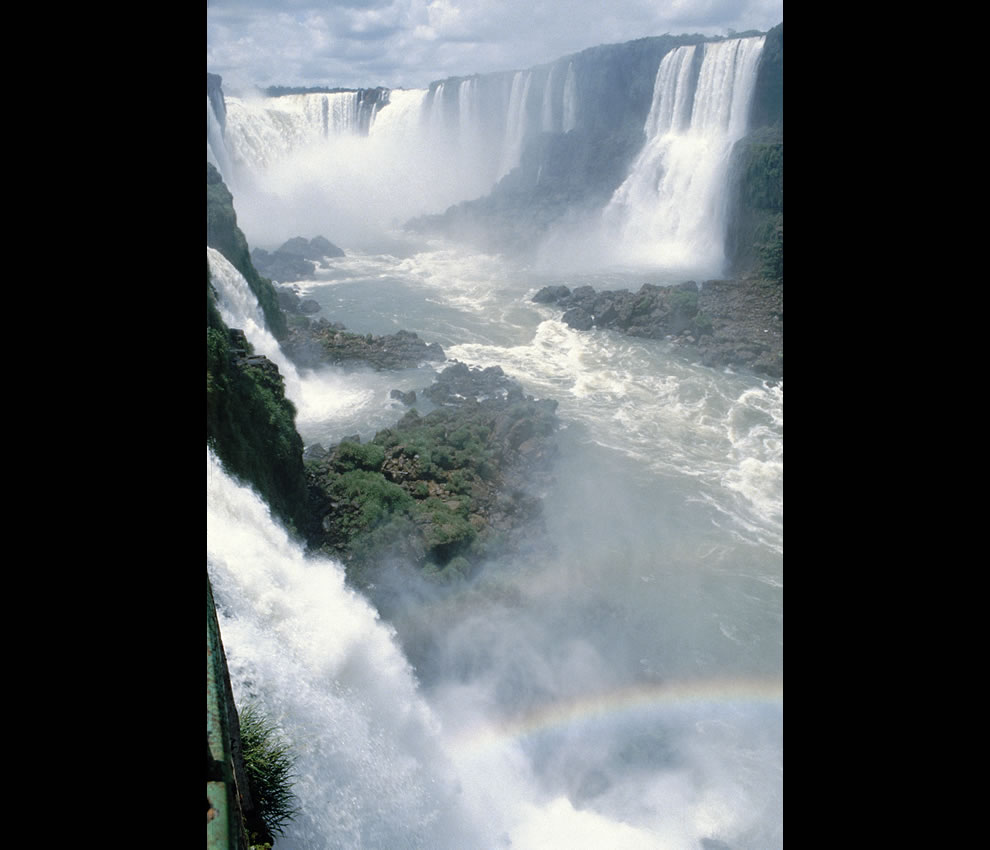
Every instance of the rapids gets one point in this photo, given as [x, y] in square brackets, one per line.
[619, 688]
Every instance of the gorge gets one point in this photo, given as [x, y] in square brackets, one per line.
[607, 670]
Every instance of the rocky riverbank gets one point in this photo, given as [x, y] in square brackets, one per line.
[737, 323]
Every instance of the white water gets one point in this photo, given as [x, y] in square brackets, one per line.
[670, 210]
[544, 681]
[515, 130]
[619, 688]
[570, 100]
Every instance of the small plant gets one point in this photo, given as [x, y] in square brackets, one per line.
[268, 762]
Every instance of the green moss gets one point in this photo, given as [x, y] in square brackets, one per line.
[250, 424]
[351, 456]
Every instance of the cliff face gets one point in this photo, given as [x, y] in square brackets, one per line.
[250, 424]
[580, 167]
[223, 234]
[574, 167]
[214, 92]
[755, 240]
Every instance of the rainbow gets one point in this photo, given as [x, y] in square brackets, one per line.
[767, 691]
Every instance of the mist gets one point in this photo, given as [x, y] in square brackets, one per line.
[615, 679]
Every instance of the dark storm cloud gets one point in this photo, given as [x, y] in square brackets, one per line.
[409, 43]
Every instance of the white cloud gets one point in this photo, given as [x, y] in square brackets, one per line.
[409, 43]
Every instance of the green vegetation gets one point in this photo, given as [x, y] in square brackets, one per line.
[424, 490]
[756, 242]
[250, 424]
[268, 762]
[772, 250]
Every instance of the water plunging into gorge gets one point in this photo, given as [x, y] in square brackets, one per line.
[619, 688]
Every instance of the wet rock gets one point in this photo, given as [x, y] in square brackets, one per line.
[439, 491]
[731, 322]
[310, 344]
[551, 294]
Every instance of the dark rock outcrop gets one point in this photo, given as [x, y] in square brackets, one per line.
[296, 259]
[311, 343]
[736, 323]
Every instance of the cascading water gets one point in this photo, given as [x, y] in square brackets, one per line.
[370, 767]
[216, 151]
[546, 111]
[670, 210]
[515, 128]
[620, 686]
[317, 395]
[570, 100]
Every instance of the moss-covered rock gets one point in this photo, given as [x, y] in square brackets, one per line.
[436, 491]
[250, 424]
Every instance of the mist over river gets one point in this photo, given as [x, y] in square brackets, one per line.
[617, 685]
[621, 688]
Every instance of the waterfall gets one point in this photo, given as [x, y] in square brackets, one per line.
[370, 768]
[515, 127]
[547, 110]
[317, 395]
[570, 100]
[437, 123]
[216, 151]
[670, 209]
[239, 308]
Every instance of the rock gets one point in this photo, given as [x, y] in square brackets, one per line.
[309, 306]
[313, 343]
[282, 265]
[449, 484]
[297, 246]
[321, 247]
[579, 319]
[732, 322]
[287, 299]
[408, 398]
[551, 294]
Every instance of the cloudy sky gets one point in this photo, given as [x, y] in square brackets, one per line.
[409, 43]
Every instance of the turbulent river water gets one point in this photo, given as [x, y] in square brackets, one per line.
[622, 688]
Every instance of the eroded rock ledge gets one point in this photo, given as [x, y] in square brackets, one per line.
[738, 323]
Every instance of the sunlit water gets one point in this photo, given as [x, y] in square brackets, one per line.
[619, 689]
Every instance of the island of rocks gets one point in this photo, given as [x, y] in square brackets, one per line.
[441, 491]
[737, 323]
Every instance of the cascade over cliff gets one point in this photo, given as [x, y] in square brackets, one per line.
[223, 234]
[250, 423]
[501, 159]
